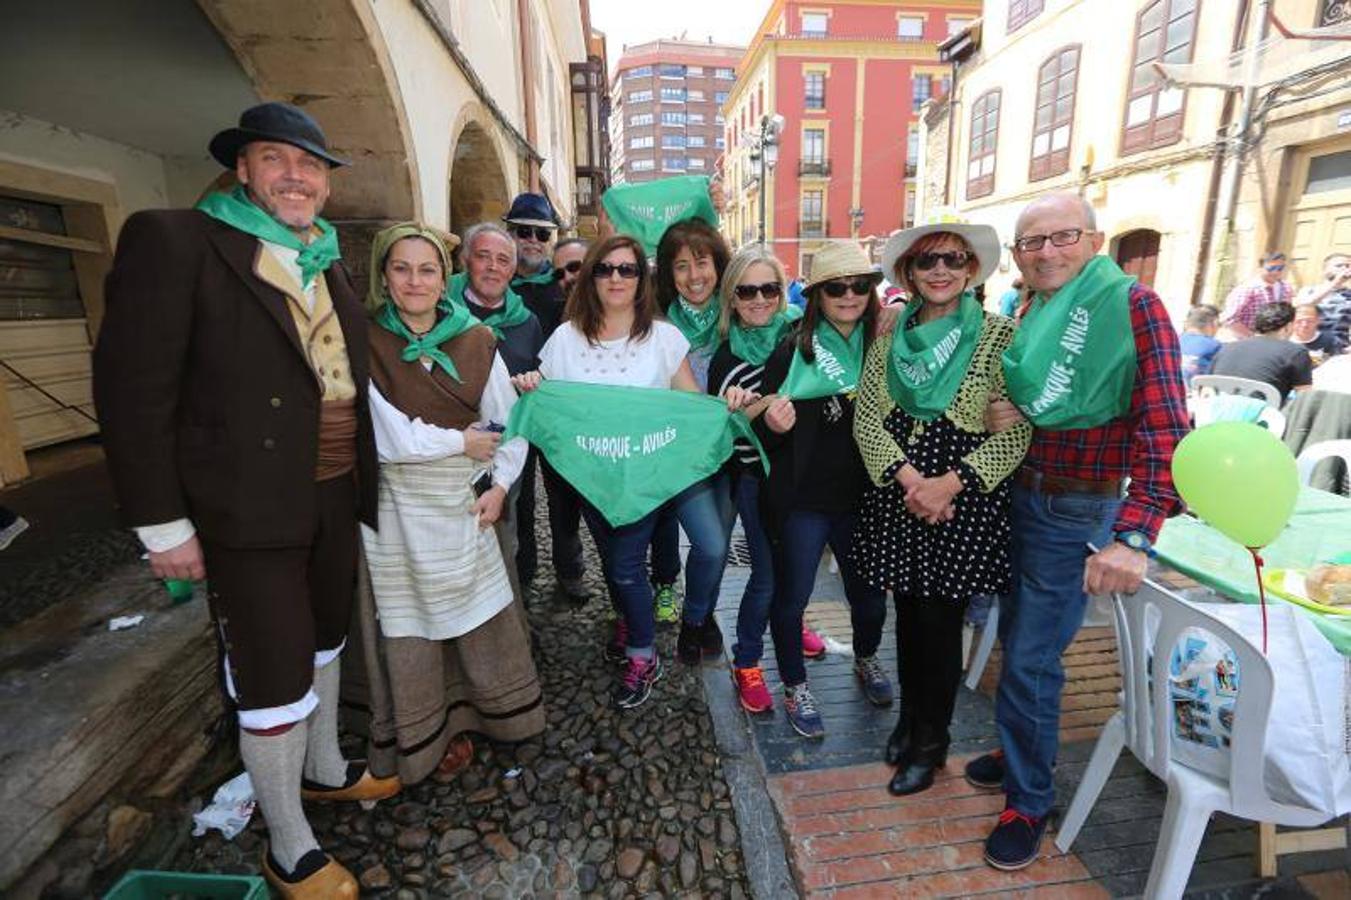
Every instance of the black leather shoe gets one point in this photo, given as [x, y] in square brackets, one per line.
[911, 779]
[898, 744]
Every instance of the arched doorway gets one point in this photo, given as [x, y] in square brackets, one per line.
[1137, 252]
[478, 189]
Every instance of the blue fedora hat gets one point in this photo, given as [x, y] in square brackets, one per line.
[279, 122]
[531, 209]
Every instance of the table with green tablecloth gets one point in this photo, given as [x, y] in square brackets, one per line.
[1318, 531]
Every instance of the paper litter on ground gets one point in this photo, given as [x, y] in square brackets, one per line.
[230, 809]
[122, 623]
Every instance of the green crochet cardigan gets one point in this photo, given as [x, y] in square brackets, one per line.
[996, 457]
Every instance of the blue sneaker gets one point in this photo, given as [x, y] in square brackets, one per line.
[1015, 841]
[876, 684]
[800, 705]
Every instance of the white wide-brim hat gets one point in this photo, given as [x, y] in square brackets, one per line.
[983, 239]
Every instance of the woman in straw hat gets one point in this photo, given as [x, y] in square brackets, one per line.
[816, 477]
[446, 646]
[934, 529]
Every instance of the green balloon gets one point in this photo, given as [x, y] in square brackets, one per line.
[1239, 478]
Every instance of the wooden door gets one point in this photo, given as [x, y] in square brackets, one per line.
[1137, 252]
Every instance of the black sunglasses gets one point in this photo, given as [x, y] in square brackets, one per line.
[836, 289]
[770, 290]
[571, 268]
[953, 259]
[625, 270]
[525, 232]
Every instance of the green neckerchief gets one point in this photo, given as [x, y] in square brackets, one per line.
[511, 313]
[699, 326]
[1072, 360]
[753, 345]
[839, 360]
[455, 320]
[928, 362]
[628, 450]
[238, 211]
[544, 276]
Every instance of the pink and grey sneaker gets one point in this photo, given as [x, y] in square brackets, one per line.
[812, 645]
[635, 682]
[750, 688]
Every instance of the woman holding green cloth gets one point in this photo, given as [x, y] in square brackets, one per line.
[816, 478]
[934, 529]
[447, 651]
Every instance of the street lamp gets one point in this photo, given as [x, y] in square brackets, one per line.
[766, 149]
[855, 220]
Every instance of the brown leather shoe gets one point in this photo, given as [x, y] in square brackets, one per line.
[329, 880]
[459, 754]
[361, 785]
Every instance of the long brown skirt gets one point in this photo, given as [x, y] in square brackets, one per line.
[410, 696]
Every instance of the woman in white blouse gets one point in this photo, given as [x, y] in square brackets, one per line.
[452, 650]
[612, 336]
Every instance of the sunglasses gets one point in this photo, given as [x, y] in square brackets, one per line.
[837, 289]
[571, 268]
[953, 259]
[1276, 267]
[770, 290]
[625, 270]
[526, 232]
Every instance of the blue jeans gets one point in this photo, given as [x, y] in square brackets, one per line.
[1037, 621]
[797, 555]
[623, 553]
[666, 547]
[753, 614]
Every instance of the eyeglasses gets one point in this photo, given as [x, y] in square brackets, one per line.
[770, 290]
[625, 270]
[571, 268]
[954, 259]
[1033, 242]
[539, 233]
[836, 289]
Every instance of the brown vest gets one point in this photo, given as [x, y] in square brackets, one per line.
[434, 396]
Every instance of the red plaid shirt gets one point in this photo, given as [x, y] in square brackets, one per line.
[1140, 444]
[1244, 301]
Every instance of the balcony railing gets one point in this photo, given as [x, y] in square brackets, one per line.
[812, 228]
[813, 167]
[911, 168]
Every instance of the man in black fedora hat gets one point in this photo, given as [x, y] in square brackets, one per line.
[230, 378]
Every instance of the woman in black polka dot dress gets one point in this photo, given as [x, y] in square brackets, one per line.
[934, 528]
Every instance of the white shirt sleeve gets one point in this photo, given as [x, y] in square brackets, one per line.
[498, 399]
[554, 352]
[166, 535]
[673, 347]
[399, 439]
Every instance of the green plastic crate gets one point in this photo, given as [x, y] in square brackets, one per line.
[142, 884]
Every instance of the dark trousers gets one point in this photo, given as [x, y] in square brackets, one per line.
[803, 536]
[929, 660]
[666, 547]
[527, 556]
[565, 523]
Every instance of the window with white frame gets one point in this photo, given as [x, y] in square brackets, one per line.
[640, 96]
[910, 27]
[958, 23]
[726, 74]
[639, 119]
[639, 72]
[673, 118]
[814, 24]
[640, 143]
[672, 95]
[695, 140]
[674, 163]
[642, 165]
[673, 141]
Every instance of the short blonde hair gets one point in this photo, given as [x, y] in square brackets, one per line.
[741, 261]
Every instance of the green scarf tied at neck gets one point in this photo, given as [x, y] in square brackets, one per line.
[755, 344]
[1072, 360]
[238, 211]
[839, 360]
[544, 276]
[928, 362]
[511, 313]
[453, 319]
[699, 326]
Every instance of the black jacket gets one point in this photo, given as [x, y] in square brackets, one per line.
[544, 300]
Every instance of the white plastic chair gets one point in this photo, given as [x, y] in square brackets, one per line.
[1144, 724]
[1209, 409]
[1096, 614]
[1232, 384]
[1312, 455]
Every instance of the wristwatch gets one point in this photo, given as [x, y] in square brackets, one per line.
[1136, 540]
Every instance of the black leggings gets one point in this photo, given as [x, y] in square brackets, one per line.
[929, 659]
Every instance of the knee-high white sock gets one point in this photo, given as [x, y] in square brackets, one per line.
[323, 759]
[274, 763]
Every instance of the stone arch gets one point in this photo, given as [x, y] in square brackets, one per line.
[330, 57]
[478, 182]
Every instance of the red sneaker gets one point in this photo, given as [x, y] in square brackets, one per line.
[750, 687]
[812, 645]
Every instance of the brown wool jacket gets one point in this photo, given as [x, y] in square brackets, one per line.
[208, 405]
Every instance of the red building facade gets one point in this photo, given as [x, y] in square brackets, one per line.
[849, 78]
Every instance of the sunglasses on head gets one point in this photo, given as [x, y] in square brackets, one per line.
[625, 270]
[538, 232]
[953, 259]
[836, 289]
[571, 268]
[770, 290]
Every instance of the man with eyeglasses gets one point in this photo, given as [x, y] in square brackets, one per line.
[533, 226]
[1267, 286]
[1107, 414]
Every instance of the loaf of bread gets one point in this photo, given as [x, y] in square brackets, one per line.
[1330, 584]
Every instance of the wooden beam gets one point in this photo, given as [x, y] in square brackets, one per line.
[13, 465]
[81, 245]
